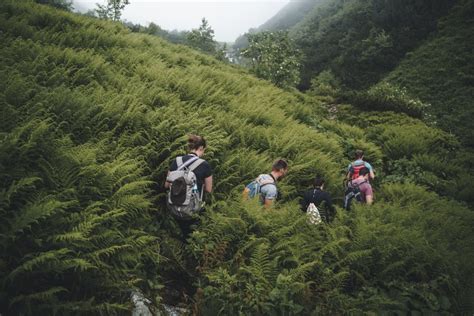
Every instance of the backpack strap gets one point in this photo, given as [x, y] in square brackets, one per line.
[357, 185]
[179, 161]
[181, 165]
[196, 163]
[265, 182]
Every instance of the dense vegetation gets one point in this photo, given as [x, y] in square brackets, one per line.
[91, 116]
[421, 47]
[286, 18]
[361, 41]
[441, 72]
[273, 56]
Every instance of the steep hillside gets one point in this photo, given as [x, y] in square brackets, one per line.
[441, 72]
[91, 117]
[289, 15]
[360, 41]
[423, 47]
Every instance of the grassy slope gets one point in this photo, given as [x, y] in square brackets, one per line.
[441, 72]
[91, 92]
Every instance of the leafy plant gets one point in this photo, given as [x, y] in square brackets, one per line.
[273, 56]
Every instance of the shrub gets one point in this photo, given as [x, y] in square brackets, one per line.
[386, 97]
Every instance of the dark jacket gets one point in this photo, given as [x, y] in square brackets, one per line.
[323, 202]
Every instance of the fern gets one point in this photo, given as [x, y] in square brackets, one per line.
[92, 116]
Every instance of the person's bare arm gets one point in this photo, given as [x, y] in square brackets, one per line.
[167, 184]
[208, 184]
[245, 194]
[372, 174]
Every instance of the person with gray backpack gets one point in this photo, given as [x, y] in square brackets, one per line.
[188, 177]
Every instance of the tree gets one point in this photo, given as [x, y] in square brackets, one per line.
[221, 52]
[203, 38]
[112, 10]
[273, 56]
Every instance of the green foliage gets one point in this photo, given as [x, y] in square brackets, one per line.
[273, 56]
[178, 37]
[441, 73]
[361, 41]
[387, 258]
[203, 39]
[91, 117]
[291, 14]
[386, 97]
[60, 4]
[410, 151]
[112, 10]
[325, 84]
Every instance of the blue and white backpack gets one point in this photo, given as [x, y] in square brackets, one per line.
[254, 188]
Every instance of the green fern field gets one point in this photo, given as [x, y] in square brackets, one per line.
[91, 117]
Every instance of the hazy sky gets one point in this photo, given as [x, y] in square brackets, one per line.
[228, 18]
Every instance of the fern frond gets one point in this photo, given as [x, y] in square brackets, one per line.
[48, 295]
[35, 212]
[16, 187]
[108, 252]
[69, 237]
[336, 281]
[41, 259]
[354, 256]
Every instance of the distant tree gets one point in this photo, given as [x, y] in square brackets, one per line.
[153, 29]
[112, 10]
[325, 83]
[203, 38]
[221, 52]
[90, 13]
[273, 56]
[60, 4]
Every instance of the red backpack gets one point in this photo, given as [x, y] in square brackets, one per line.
[355, 169]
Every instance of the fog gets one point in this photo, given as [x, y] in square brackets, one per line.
[227, 18]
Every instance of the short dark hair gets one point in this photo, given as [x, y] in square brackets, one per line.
[279, 164]
[195, 141]
[359, 153]
[318, 182]
[363, 171]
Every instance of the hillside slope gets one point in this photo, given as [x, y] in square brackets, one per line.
[289, 15]
[441, 72]
[360, 41]
[422, 46]
[91, 117]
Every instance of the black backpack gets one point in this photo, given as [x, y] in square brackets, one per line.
[352, 192]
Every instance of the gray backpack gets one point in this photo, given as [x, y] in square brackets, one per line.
[184, 199]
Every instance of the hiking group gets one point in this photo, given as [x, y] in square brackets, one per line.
[190, 176]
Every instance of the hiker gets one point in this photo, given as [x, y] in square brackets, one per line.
[188, 178]
[355, 166]
[359, 189]
[265, 185]
[317, 196]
